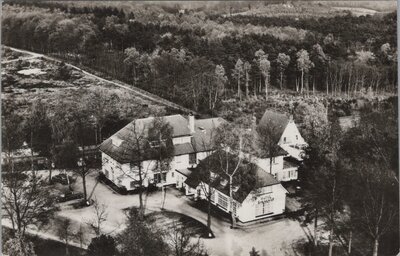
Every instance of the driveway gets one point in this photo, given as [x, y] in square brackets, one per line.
[271, 238]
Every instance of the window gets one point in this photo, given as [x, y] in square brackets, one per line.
[172, 174]
[106, 173]
[297, 137]
[192, 158]
[284, 139]
[157, 177]
[155, 143]
[222, 201]
[263, 208]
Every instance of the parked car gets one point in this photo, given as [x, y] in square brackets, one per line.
[68, 196]
[62, 179]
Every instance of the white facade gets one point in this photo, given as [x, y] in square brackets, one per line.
[291, 135]
[292, 141]
[261, 203]
[127, 175]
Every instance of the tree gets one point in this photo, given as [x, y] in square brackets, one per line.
[25, 198]
[206, 173]
[100, 211]
[161, 147]
[141, 238]
[325, 178]
[319, 59]
[304, 64]
[132, 60]
[63, 72]
[237, 71]
[81, 126]
[18, 246]
[138, 144]
[268, 136]
[12, 135]
[64, 231]
[103, 245]
[265, 66]
[221, 80]
[40, 129]
[101, 106]
[247, 68]
[254, 252]
[230, 143]
[372, 154]
[282, 61]
[181, 243]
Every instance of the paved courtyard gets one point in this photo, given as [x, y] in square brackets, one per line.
[272, 238]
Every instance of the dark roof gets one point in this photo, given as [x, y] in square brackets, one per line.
[272, 124]
[185, 172]
[278, 120]
[119, 146]
[248, 178]
[192, 181]
[204, 129]
[183, 149]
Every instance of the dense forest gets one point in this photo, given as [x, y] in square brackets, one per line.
[196, 58]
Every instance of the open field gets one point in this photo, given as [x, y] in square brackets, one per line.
[29, 77]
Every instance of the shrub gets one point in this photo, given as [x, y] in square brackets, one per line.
[103, 245]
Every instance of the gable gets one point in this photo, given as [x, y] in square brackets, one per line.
[290, 132]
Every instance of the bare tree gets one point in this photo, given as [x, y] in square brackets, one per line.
[206, 174]
[181, 242]
[26, 201]
[100, 211]
[161, 149]
[268, 135]
[64, 232]
[80, 235]
[231, 143]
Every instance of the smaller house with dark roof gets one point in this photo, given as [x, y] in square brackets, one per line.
[190, 140]
[256, 194]
[289, 139]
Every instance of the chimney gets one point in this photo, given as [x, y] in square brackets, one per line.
[191, 123]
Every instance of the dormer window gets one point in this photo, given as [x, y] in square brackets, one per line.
[116, 141]
[155, 143]
[202, 129]
[224, 183]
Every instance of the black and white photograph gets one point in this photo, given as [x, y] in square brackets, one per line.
[199, 128]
